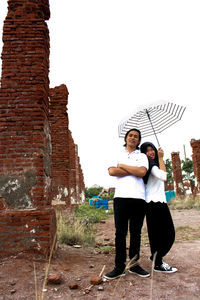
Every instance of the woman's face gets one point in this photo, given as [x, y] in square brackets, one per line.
[150, 152]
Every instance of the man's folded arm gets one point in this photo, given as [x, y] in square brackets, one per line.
[118, 172]
[133, 170]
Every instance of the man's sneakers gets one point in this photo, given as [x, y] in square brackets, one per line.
[139, 271]
[115, 273]
[165, 268]
[118, 272]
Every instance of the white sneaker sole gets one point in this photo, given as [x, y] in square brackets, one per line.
[167, 272]
[109, 278]
[144, 276]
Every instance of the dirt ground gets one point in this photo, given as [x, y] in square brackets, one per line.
[77, 265]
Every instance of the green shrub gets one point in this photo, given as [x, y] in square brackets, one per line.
[93, 214]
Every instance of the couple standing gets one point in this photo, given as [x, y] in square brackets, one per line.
[139, 191]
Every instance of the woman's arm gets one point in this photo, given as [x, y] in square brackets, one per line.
[158, 173]
[160, 158]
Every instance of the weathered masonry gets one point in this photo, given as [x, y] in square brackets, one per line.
[177, 173]
[29, 161]
[67, 177]
[195, 144]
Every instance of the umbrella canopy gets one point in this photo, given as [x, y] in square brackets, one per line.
[152, 119]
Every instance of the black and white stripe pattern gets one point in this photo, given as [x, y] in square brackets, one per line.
[152, 120]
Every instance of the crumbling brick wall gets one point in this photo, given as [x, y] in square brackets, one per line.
[67, 177]
[60, 147]
[177, 173]
[25, 136]
[32, 125]
[195, 144]
[25, 147]
[80, 187]
[77, 187]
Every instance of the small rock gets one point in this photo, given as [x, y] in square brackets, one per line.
[106, 252]
[100, 288]
[95, 280]
[111, 244]
[73, 286]
[12, 282]
[77, 246]
[54, 278]
[13, 291]
[91, 266]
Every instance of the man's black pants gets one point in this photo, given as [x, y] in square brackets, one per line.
[128, 211]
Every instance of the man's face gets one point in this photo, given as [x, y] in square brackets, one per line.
[132, 139]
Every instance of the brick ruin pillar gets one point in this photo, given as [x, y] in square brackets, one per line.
[195, 144]
[60, 145]
[27, 220]
[76, 178]
[72, 166]
[177, 173]
[80, 188]
[67, 178]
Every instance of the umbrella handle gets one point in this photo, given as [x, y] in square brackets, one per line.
[152, 127]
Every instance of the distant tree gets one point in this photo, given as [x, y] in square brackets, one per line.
[169, 169]
[188, 171]
[93, 191]
[110, 196]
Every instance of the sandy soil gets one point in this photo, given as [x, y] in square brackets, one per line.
[77, 265]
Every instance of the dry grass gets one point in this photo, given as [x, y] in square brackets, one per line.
[41, 296]
[186, 233]
[75, 232]
[185, 202]
[130, 264]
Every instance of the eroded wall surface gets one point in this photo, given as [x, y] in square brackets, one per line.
[177, 173]
[38, 157]
[195, 144]
[67, 176]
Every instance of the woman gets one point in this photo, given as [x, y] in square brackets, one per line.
[159, 221]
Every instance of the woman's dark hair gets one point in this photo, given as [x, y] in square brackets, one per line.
[152, 162]
[133, 129]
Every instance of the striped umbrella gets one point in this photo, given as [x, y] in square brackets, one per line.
[152, 119]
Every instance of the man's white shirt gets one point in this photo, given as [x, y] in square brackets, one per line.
[130, 186]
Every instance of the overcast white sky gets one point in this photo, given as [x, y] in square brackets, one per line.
[115, 55]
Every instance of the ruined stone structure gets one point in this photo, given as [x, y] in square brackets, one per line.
[177, 173]
[195, 144]
[67, 177]
[27, 219]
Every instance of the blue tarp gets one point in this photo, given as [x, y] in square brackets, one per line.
[169, 195]
[98, 202]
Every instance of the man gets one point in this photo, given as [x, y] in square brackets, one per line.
[129, 203]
